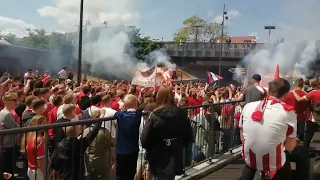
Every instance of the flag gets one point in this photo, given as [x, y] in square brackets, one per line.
[166, 75]
[277, 73]
[145, 78]
[213, 77]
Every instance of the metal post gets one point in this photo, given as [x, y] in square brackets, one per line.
[80, 44]
[221, 42]
[270, 28]
[182, 61]
[196, 37]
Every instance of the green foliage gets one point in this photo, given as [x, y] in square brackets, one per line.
[145, 46]
[206, 32]
[62, 43]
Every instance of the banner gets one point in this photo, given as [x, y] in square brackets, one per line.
[145, 78]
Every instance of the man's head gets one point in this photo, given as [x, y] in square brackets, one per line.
[279, 88]
[95, 100]
[69, 111]
[29, 71]
[69, 99]
[106, 100]
[39, 106]
[314, 83]
[298, 83]
[256, 78]
[29, 100]
[45, 93]
[57, 101]
[10, 100]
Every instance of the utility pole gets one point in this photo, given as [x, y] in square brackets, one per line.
[224, 17]
[80, 44]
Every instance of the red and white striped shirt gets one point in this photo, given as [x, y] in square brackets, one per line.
[263, 147]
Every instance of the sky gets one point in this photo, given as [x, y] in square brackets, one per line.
[295, 20]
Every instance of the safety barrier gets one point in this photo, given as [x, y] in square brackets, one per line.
[32, 152]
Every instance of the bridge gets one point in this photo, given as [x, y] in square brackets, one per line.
[210, 50]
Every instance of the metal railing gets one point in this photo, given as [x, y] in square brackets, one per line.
[207, 46]
[39, 156]
[204, 49]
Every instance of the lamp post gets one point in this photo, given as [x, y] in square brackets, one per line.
[269, 28]
[224, 17]
[183, 44]
[80, 44]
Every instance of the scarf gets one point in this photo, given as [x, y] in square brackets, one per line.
[257, 115]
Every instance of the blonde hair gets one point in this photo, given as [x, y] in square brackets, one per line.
[68, 109]
[68, 99]
[95, 114]
[33, 135]
[130, 101]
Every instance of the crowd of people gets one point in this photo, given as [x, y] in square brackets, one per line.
[153, 132]
[134, 145]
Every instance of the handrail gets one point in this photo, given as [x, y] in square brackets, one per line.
[21, 130]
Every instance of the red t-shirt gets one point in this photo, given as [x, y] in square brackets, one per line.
[46, 113]
[34, 153]
[80, 95]
[78, 110]
[301, 107]
[313, 96]
[114, 104]
[195, 102]
[53, 115]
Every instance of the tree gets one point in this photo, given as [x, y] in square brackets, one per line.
[10, 38]
[206, 31]
[145, 46]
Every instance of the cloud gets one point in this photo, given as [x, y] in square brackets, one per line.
[66, 12]
[232, 14]
[14, 26]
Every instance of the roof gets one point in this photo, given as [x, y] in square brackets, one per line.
[242, 39]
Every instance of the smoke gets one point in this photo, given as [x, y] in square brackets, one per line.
[298, 53]
[293, 59]
[113, 53]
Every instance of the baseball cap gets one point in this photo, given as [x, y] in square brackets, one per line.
[256, 77]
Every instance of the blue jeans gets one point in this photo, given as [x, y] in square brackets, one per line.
[164, 177]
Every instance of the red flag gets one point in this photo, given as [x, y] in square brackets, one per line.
[213, 77]
[277, 73]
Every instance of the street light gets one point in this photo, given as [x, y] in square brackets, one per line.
[269, 28]
[80, 44]
[224, 17]
[183, 44]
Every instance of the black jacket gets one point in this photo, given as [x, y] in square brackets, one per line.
[68, 157]
[164, 136]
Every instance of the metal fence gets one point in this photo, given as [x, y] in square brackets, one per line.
[31, 153]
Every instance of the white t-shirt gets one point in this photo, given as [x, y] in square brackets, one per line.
[60, 111]
[63, 74]
[263, 147]
[110, 125]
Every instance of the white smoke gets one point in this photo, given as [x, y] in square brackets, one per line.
[295, 59]
[113, 53]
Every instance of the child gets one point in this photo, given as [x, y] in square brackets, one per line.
[127, 147]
